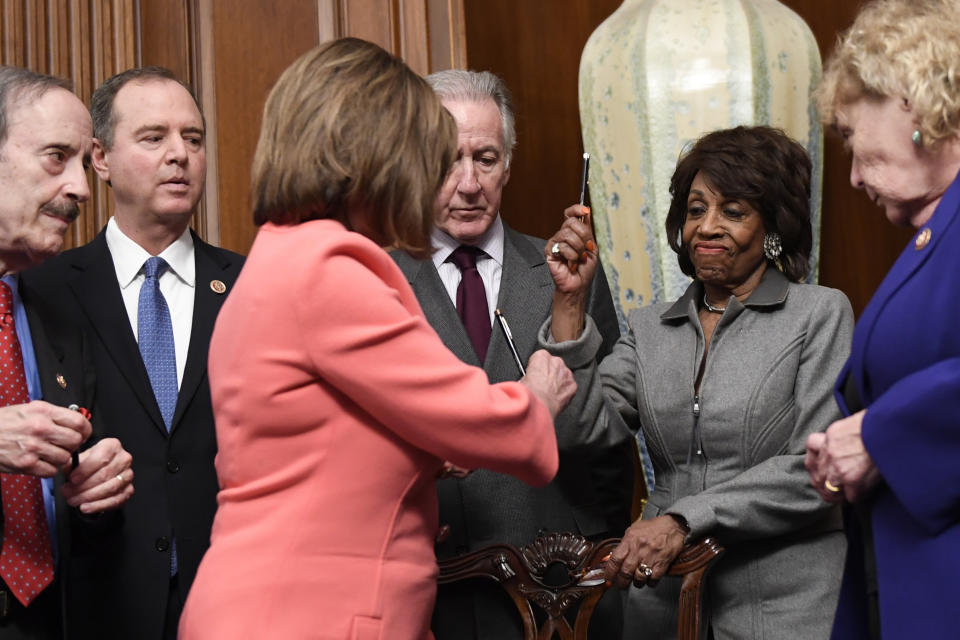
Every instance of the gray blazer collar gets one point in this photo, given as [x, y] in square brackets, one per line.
[771, 292]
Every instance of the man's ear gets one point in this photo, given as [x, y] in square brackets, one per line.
[506, 175]
[98, 158]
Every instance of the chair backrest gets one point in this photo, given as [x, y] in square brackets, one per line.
[523, 574]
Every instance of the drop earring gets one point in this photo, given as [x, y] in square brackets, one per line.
[917, 138]
[772, 246]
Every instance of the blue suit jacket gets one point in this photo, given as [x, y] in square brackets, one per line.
[905, 362]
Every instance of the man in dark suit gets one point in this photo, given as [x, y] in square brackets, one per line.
[591, 492]
[147, 290]
[44, 148]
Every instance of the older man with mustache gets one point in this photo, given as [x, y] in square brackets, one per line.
[148, 291]
[44, 149]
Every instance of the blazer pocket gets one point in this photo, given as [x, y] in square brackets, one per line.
[365, 628]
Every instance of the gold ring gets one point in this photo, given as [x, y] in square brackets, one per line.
[645, 570]
[120, 478]
[829, 486]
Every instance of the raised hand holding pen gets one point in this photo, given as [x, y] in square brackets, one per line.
[572, 257]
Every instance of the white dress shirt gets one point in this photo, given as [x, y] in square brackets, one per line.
[177, 284]
[490, 268]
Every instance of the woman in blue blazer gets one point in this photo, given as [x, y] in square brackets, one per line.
[892, 90]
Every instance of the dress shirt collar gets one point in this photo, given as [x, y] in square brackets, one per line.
[491, 243]
[128, 256]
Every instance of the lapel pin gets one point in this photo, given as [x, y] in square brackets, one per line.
[923, 238]
[218, 286]
[61, 381]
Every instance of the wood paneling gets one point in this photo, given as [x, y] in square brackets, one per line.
[253, 42]
[535, 47]
[246, 45]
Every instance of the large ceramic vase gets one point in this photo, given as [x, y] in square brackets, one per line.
[656, 75]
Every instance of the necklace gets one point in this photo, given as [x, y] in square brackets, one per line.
[712, 308]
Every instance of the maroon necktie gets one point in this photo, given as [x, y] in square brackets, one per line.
[472, 299]
[26, 560]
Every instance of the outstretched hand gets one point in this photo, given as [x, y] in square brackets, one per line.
[549, 379]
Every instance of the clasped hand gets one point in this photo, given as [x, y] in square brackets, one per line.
[839, 465]
[645, 553]
[38, 438]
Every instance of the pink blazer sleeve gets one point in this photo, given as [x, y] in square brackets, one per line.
[365, 334]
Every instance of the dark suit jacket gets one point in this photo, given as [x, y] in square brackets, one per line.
[905, 363]
[591, 492]
[120, 578]
[61, 354]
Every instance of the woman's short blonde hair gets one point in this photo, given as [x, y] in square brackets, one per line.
[905, 49]
[351, 133]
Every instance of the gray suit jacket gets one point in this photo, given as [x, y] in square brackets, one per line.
[767, 384]
[591, 493]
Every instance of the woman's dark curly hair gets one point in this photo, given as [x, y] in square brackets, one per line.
[761, 166]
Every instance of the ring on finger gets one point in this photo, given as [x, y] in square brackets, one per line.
[832, 488]
[555, 249]
[120, 478]
[645, 570]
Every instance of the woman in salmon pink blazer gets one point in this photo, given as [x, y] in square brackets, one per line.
[336, 403]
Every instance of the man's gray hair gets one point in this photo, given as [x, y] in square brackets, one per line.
[21, 84]
[477, 86]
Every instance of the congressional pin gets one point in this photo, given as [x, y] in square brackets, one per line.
[218, 286]
[61, 381]
[923, 238]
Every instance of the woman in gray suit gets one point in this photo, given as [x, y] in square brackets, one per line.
[726, 383]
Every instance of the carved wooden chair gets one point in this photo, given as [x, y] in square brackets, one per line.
[522, 573]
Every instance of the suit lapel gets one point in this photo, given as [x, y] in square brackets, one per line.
[903, 269]
[98, 294]
[437, 306]
[523, 284]
[206, 305]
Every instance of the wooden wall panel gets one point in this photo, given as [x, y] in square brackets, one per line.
[250, 42]
[535, 47]
[253, 42]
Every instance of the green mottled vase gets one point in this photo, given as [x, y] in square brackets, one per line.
[656, 75]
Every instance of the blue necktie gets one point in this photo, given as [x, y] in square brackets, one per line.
[155, 338]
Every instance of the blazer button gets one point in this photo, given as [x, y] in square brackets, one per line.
[162, 543]
[173, 466]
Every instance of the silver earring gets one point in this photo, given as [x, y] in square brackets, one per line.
[917, 138]
[772, 246]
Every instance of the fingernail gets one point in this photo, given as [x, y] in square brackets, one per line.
[585, 209]
[574, 267]
[591, 246]
[583, 256]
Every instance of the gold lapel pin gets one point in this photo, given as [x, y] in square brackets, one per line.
[923, 238]
[218, 286]
[61, 381]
